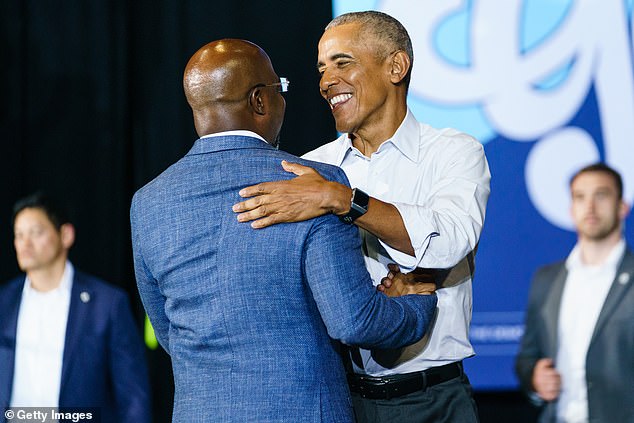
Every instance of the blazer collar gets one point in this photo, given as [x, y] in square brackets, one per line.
[622, 282]
[81, 297]
[551, 309]
[227, 142]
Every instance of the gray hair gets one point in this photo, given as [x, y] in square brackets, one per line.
[389, 32]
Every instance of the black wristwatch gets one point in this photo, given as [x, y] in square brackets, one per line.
[358, 206]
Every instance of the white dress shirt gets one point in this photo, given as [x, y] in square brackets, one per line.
[439, 182]
[582, 300]
[39, 347]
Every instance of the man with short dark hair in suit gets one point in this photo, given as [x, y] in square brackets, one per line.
[577, 354]
[250, 318]
[67, 339]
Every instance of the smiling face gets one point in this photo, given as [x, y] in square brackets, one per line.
[597, 210]
[365, 97]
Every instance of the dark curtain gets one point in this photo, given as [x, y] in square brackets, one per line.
[93, 108]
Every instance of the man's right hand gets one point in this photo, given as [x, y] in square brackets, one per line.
[307, 196]
[546, 380]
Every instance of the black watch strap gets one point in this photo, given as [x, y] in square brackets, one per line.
[358, 206]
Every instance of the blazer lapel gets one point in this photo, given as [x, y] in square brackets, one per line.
[622, 282]
[551, 309]
[80, 298]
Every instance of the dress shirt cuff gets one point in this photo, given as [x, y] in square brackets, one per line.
[448, 246]
[420, 238]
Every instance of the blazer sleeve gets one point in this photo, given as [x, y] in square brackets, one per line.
[151, 297]
[128, 367]
[350, 306]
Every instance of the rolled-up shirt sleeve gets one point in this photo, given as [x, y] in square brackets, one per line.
[446, 226]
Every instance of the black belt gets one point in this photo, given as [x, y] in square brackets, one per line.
[387, 387]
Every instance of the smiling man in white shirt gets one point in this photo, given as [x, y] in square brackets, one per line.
[427, 191]
[577, 354]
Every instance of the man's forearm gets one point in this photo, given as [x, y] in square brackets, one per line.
[385, 222]
[310, 195]
[382, 219]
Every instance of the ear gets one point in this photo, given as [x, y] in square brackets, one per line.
[257, 101]
[399, 66]
[67, 232]
[624, 210]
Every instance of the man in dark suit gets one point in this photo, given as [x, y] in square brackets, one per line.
[249, 317]
[577, 354]
[67, 339]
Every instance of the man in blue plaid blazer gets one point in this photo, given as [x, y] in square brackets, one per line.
[251, 318]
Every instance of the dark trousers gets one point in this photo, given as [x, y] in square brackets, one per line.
[447, 402]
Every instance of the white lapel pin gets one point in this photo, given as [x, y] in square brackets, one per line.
[84, 297]
[624, 278]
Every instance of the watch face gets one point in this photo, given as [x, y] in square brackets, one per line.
[358, 206]
[360, 201]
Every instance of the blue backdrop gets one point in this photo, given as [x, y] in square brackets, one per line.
[548, 87]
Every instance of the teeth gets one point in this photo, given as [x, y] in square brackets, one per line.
[339, 98]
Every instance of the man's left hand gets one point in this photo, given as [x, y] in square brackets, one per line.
[307, 196]
[397, 284]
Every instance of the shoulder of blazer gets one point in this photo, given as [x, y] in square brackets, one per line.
[547, 275]
[11, 292]
[550, 270]
[10, 300]
[15, 284]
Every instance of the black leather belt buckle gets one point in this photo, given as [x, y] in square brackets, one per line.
[388, 387]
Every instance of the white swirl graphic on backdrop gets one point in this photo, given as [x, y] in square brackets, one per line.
[590, 48]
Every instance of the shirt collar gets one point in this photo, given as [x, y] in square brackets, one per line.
[574, 258]
[64, 287]
[405, 139]
[238, 132]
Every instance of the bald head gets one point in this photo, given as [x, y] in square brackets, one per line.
[222, 85]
